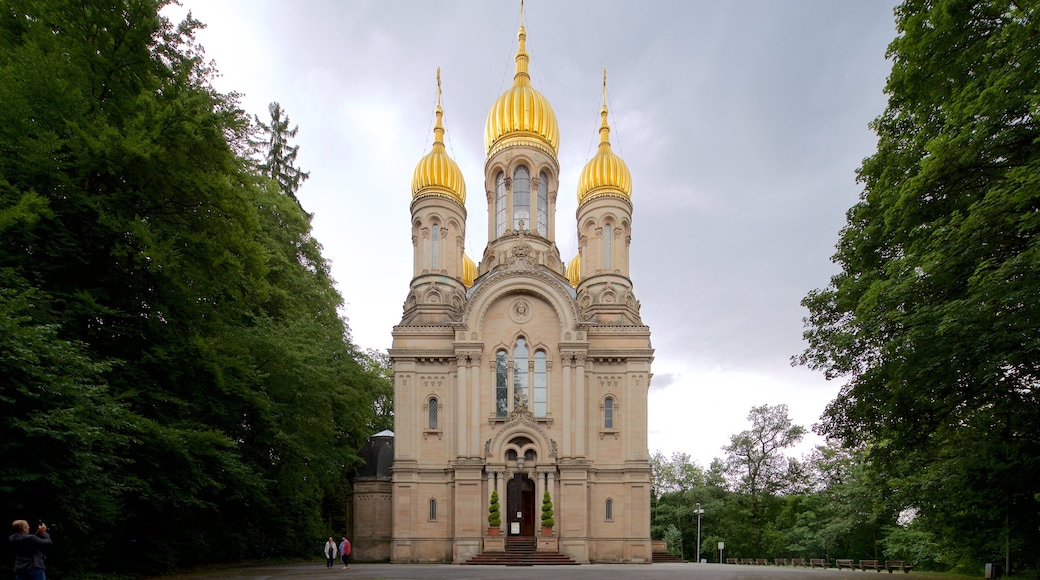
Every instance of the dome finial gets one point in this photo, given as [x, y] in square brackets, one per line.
[604, 127]
[522, 59]
[438, 128]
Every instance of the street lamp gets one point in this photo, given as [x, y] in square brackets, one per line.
[698, 511]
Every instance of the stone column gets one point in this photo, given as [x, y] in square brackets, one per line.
[460, 426]
[581, 407]
[566, 445]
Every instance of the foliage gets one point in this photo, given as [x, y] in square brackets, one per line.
[547, 511]
[933, 316]
[180, 386]
[756, 465]
[494, 511]
[279, 156]
[673, 539]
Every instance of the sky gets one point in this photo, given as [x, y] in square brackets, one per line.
[742, 122]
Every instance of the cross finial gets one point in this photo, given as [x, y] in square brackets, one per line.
[604, 86]
[439, 86]
[521, 12]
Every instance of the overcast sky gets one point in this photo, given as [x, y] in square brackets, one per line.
[742, 122]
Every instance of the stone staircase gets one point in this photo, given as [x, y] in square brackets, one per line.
[664, 557]
[521, 551]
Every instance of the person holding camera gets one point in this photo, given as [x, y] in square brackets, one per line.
[30, 563]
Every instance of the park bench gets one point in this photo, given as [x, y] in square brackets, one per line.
[731, 561]
[870, 565]
[844, 563]
[898, 565]
[818, 563]
[748, 561]
[762, 562]
[798, 561]
[780, 561]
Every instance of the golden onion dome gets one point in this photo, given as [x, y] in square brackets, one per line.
[605, 174]
[522, 116]
[436, 173]
[469, 271]
[574, 271]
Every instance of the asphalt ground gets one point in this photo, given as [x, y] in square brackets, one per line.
[588, 571]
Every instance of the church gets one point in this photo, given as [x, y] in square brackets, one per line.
[523, 378]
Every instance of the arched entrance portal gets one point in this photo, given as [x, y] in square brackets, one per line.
[520, 505]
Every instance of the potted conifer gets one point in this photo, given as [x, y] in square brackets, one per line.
[547, 515]
[494, 515]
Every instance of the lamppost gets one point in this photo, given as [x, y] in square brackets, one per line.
[698, 511]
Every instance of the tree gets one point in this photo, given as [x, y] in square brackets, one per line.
[279, 156]
[171, 350]
[756, 464]
[494, 511]
[933, 316]
[547, 511]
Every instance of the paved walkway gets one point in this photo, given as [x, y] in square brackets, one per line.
[589, 571]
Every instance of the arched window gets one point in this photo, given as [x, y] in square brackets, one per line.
[608, 243]
[433, 510]
[435, 246]
[543, 204]
[521, 197]
[608, 413]
[501, 384]
[432, 410]
[520, 372]
[609, 510]
[539, 384]
[500, 205]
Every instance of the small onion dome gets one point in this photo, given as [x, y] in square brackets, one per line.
[574, 271]
[469, 271]
[436, 173]
[605, 174]
[522, 116]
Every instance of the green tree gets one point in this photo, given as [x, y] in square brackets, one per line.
[547, 511]
[172, 349]
[279, 156]
[494, 511]
[933, 317]
[756, 464]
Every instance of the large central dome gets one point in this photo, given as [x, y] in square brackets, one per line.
[522, 115]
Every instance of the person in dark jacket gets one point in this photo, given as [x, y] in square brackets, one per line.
[30, 563]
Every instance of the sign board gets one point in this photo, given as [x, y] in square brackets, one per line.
[722, 545]
[514, 528]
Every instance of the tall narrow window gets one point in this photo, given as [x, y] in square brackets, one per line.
[520, 373]
[608, 243]
[609, 510]
[539, 384]
[433, 510]
[500, 205]
[435, 246]
[608, 413]
[521, 197]
[543, 204]
[501, 384]
[433, 411]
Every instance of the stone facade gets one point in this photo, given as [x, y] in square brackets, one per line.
[524, 376]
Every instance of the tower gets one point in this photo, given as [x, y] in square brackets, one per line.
[519, 375]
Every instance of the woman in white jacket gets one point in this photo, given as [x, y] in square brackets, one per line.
[330, 552]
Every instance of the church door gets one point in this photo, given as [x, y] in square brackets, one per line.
[520, 505]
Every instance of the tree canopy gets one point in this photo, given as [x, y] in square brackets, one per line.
[933, 318]
[172, 355]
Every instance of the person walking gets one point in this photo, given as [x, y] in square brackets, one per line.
[30, 562]
[330, 552]
[344, 552]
